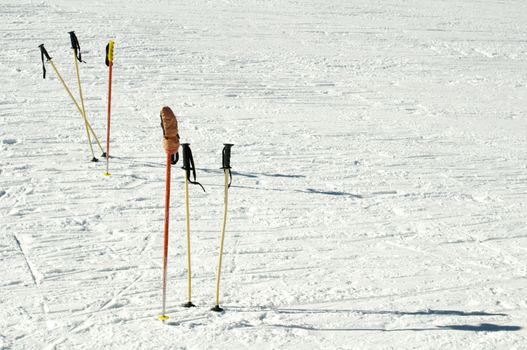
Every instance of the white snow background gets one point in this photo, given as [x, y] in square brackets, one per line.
[379, 188]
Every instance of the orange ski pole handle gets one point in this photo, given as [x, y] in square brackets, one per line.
[109, 63]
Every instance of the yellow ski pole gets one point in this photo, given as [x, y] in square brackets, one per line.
[189, 272]
[226, 166]
[87, 125]
[77, 56]
[188, 166]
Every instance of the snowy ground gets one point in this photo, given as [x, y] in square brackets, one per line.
[379, 196]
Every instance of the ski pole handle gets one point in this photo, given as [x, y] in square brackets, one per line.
[170, 130]
[75, 45]
[44, 53]
[74, 40]
[226, 156]
[186, 156]
[109, 53]
[188, 164]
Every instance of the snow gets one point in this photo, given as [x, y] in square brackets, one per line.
[379, 186]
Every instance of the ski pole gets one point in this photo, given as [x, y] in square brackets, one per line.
[189, 303]
[109, 63]
[77, 56]
[188, 166]
[87, 125]
[226, 166]
[74, 46]
[163, 317]
[171, 145]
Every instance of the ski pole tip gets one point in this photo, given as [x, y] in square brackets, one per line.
[189, 304]
[107, 174]
[217, 308]
[163, 318]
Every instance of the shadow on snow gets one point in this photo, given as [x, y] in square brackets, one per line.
[482, 327]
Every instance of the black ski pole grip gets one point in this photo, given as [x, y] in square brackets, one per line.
[43, 53]
[226, 156]
[106, 60]
[74, 40]
[186, 156]
[75, 45]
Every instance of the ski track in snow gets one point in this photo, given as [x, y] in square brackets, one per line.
[379, 175]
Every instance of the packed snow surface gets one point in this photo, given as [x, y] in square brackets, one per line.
[379, 175]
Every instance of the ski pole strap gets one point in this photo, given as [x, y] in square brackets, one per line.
[76, 46]
[188, 164]
[226, 159]
[174, 158]
[109, 53]
[230, 178]
[43, 53]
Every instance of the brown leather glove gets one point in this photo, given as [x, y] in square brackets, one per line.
[170, 131]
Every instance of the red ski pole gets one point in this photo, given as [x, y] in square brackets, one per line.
[171, 145]
[163, 317]
[109, 63]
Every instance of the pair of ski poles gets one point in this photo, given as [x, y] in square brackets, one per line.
[81, 108]
[188, 166]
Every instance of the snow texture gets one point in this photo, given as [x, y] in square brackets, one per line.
[379, 194]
